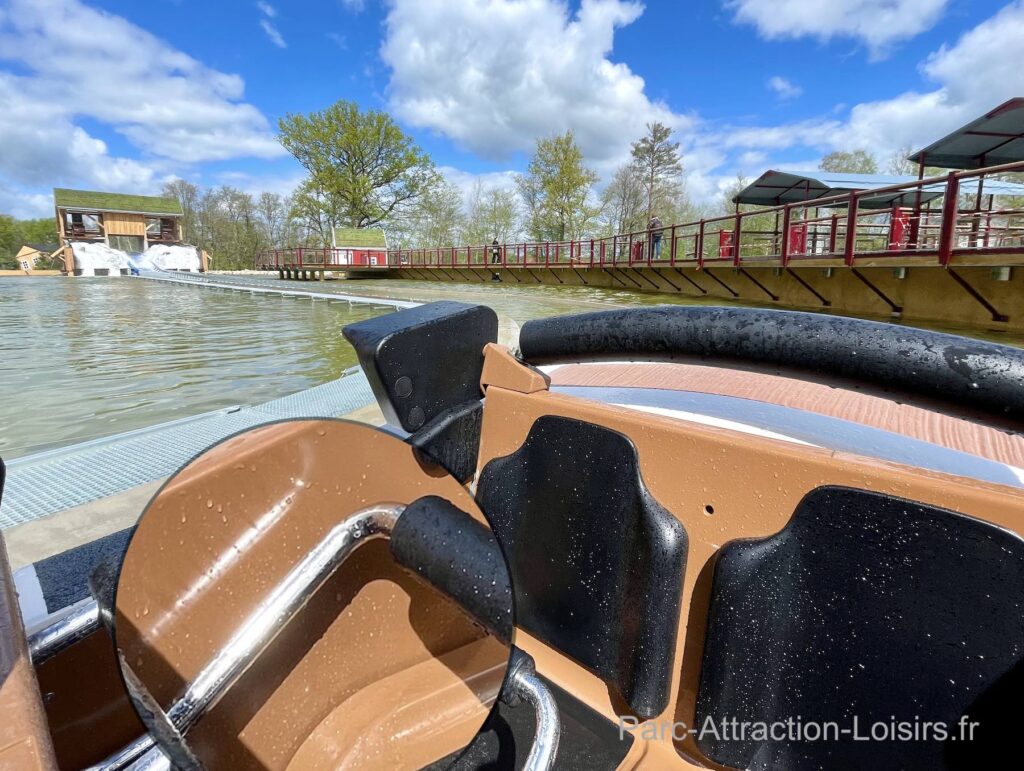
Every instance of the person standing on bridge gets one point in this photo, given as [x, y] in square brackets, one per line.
[495, 252]
[655, 228]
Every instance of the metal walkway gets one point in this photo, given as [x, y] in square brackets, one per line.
[258, 286]
[59, 479]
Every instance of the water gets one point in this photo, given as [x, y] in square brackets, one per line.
[89, 357]
[83, 358]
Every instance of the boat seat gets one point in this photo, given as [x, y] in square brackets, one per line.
[866, 609]
[596, 562]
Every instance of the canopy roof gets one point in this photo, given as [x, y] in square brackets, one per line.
[779, 187]
[360, 238]
[997, 137]
[89, 200]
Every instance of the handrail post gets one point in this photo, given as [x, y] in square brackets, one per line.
[737, 226]
[672, 248]
[949, 216]
[834, 235]
[786, 216]
[849, 245]
[699, 246]
[591, 252]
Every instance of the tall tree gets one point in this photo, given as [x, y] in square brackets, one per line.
[363, 166]
[850, 162]
[623, 200]
[657, 160]
[556, 190]
[437, 218]
[187, 196]
[492, 214]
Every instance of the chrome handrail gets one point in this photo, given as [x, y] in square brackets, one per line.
[81, 621]
[262, 627]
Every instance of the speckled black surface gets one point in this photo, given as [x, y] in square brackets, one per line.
[452, 439]
[454, 553]
[867, 607]
[597, 564]
[64, 577]
[423, 361]
[587, 741]
[959, 371]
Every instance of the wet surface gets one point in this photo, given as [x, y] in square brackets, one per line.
[86, 358]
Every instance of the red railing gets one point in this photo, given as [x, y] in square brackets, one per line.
[927, 219]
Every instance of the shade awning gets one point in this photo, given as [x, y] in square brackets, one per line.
[774, 188]
[997, 137]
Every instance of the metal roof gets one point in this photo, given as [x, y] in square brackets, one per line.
[360, 238]
[997, 137]
[89, 200]
[778, 187]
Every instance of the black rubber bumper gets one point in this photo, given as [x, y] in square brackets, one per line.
[963, 373]
[458, 556]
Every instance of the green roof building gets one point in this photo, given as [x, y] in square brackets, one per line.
[89, 200]
[360, 238]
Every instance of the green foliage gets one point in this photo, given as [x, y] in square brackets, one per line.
[850, 162]
[232, 226]
[492, 214]
[363, 169]
[437, 219]
[623, 201]
[659, 167]
[556, 190]
[14, 234]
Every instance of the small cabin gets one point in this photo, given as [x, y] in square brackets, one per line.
[359, 246]
[36, 256]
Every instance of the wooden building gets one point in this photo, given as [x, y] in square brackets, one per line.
[131, 223]
[359, 246]
[35, 256]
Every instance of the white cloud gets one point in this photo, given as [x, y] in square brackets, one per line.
[974, 74]
[466, 180]
[783, 88]
[876, 23]
[273, 34]
[74, 62]
[269, 12]
[355, 6]
[495, 75]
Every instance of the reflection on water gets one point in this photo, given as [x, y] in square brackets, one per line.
[90, 357]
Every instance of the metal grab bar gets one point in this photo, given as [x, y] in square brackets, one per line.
[523, 684]
[164, 741]
[82, 620]
[258, 630]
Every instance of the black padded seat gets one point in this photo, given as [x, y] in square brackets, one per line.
[867, 609]
[596, 562]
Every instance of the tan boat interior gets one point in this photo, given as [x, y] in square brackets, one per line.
[380, 670]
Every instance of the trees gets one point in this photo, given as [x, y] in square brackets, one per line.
[623, 201]
[362, 167]
[851, 162]
[437, 218]
[187, 196]
[15, 233]
[659, 167]
[491, 214]
[556, 190]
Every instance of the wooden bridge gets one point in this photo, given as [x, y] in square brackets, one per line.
[948, 248]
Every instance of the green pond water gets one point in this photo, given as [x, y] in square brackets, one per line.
[89, 357]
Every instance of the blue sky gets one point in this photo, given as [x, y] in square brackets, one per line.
[123, 95]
